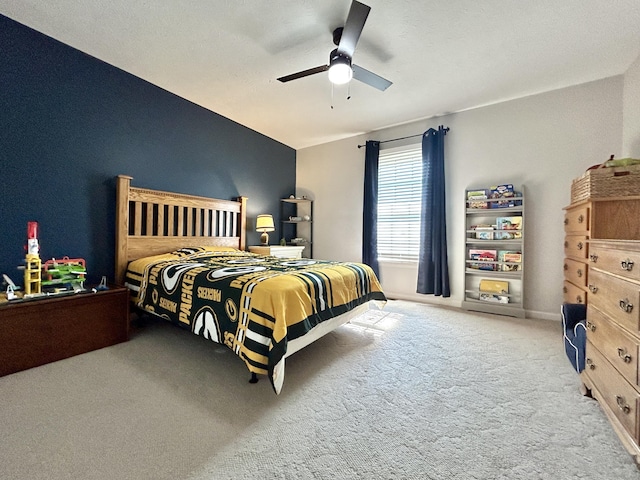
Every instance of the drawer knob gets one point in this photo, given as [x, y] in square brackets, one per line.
[566, 244]
[579, 299]
[566, 221]
[622, 353]
[622, 405]
[593, 288]
[566, 267]
[627, 264]
[592, 366]
[593, 257]
[580, 245]
[591, 326]
[565, 289]
[626, 306]
[580, 218]
[579, 272]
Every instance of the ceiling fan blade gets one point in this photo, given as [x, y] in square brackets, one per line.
[370, 78]
[304, 73]
[353, 28]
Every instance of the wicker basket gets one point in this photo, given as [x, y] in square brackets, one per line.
[607, 182]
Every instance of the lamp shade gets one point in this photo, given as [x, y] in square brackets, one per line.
[264, 223]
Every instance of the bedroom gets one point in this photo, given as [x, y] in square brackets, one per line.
[64, 141]
[77, 118]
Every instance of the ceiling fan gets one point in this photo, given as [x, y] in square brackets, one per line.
[341, 69]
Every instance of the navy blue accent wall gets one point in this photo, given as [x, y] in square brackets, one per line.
[70, 123]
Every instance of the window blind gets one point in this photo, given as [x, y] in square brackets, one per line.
[399, 203]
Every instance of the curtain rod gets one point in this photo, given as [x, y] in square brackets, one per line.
[446, 129]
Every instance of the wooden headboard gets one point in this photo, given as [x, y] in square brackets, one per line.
[150, 222]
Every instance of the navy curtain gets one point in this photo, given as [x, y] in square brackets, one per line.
[370, 215]
[433, 266]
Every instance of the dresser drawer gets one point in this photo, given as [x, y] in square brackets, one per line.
[576, 272]
[577, 219]
[617, 298]
[621, 398]
[625, 263]
[573, 294]
[620, 348]
[575, 246]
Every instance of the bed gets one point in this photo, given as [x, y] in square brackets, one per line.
[183, 258]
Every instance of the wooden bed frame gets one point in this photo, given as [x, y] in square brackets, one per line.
[150, 222]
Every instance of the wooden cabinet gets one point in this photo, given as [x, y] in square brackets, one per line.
[613, 335]
[504, 263]
[296, 217]
[288, 251]
[41, 331]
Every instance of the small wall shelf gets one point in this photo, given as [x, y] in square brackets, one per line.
[296, 216]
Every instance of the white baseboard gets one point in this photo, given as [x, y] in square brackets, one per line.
[457, 303]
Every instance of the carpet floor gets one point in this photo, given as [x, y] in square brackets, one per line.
[410, 392]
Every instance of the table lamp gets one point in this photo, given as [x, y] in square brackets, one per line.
[264, 224]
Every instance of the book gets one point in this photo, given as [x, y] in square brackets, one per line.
[491, 297]
[477, 193]
[483, 255]
[506, 203]
[480, 258]
[507, 234]
[478, 203]
[477, 198]
[483, 232]
[513, 260]
[499, 191]
[493, 286]
[505, 192]
[509, 223]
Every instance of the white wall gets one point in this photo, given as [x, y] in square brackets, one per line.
[631, 110]
[541, 142]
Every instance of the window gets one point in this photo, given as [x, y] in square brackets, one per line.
[399, 203]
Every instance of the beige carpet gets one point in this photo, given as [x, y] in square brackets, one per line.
[421, 392]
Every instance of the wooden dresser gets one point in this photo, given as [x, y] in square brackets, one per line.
[602, 269]
[613, 335]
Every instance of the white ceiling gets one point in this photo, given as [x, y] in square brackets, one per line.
[441, 56]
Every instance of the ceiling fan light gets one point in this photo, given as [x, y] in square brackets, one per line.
[340, 73]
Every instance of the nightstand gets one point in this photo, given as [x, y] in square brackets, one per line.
[289, 251]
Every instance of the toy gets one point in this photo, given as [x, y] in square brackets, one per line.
[32, 279]
[103, 285]
[66, 273]
[32, 239]
[11, 287]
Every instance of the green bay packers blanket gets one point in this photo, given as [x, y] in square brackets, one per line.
[252, 304]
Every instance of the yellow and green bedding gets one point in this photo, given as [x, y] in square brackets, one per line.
[252, 304]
